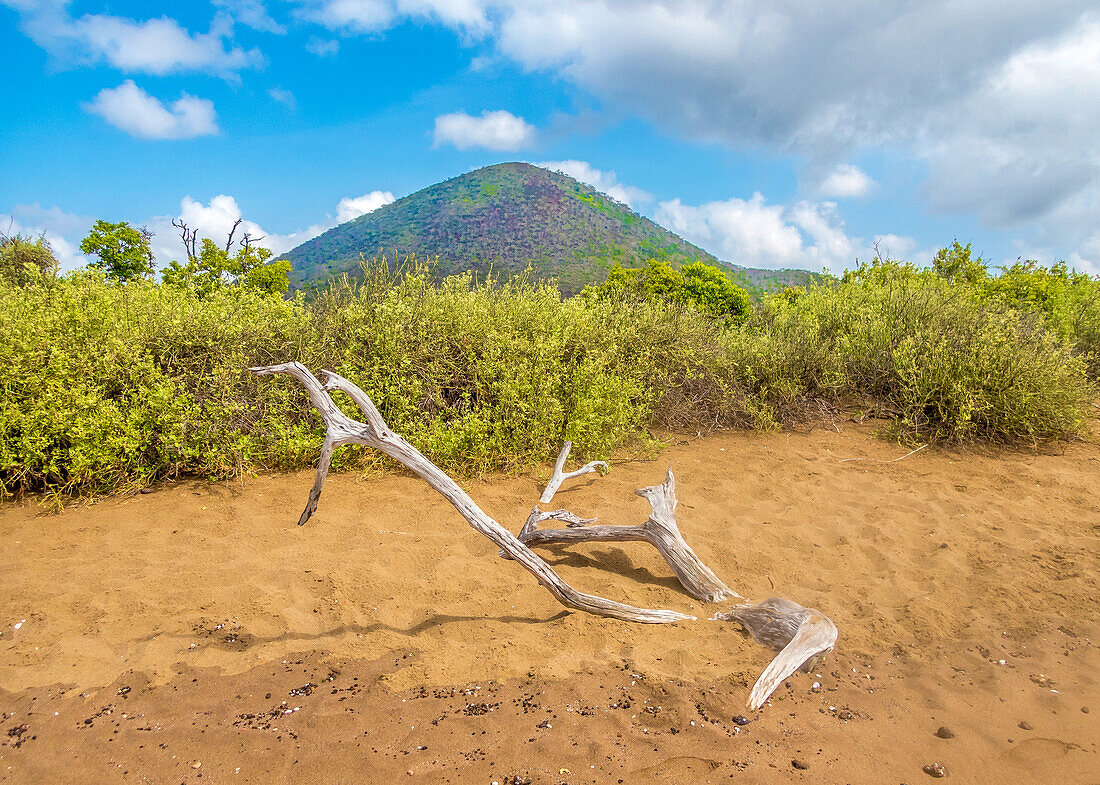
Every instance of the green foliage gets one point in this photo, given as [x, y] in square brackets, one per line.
[105, 387]
[955, 264]
[23, 259]
[697, 285]
[507, 218]
[1069, 303]
[927, 352]
[215, 268]
[123, 251]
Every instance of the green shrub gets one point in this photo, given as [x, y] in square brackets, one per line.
[695, 285]
[107, 385]
[23, 259]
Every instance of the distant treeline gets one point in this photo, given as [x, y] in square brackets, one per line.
[108, 385]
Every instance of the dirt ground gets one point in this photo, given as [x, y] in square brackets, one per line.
[197, 635]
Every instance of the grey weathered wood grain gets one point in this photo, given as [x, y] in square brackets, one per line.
[558, 477]
[661, 531]
[800, 635]
[342, 430]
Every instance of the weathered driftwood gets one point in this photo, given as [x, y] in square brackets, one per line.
[801, 636]
[557, 478]
[341, 430]
[661, 531]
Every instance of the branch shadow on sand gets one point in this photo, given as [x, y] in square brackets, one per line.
[613, 560]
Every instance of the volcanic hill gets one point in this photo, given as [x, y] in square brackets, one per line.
[507, 217]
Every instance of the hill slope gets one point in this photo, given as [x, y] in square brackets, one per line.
[503, 217]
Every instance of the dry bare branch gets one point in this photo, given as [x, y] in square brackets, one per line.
[342, 430]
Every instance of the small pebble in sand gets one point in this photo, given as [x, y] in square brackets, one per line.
[1084, 709]
[844, 714]
[1025, 725]
[945, 732]
[934, 770]
[816, 686]
[196, 765]
[800, 764]
[740, 720]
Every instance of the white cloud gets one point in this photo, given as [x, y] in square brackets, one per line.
[845, 181]
[215, 219]
[605, 182]
[252, 13]
[471, 17]
[154, 46]
[752, 233]
[139, 114]
[499, 130]
[284, 97]
[354, 206]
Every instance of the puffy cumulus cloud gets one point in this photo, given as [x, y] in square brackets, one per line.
[215, 219]
[998, 97]
[845, 181]
[499, 130]
[354, 206]
[139, 114]
[63, 230]
[154, 46]
[753, 233]
[606, 182]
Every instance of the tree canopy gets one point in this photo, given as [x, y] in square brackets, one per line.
[123, 251]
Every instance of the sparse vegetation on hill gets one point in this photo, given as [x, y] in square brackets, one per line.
[507, 218]
[107, 385]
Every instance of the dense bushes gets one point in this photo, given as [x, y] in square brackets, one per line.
[105, 386]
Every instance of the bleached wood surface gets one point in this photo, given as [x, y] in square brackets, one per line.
[342, 430]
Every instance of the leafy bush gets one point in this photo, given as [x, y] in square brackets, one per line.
[696, 285]
[105, 385]
[930, 353]
[23, 259]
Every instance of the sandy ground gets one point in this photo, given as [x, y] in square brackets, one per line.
[197, 635]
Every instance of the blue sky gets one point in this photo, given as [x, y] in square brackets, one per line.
[773, 134]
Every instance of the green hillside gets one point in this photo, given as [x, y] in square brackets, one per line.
[508, 217]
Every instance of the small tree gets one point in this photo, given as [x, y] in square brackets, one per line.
[123, 251]
[21, 259]
[954, 264]
[695, 285]
[215, 267]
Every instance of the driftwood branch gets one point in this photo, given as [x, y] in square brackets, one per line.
[800, 635]
[661, 531]
[557, 478]
[342, 430]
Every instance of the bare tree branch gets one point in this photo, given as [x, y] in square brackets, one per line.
[557, 478]
[341, 430]
[189, 237]
[661, 531]
[232, 231]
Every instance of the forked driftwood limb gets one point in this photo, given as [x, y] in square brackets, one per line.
[557, 478]
[801, 636]
[342, 430]
[661, 531]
